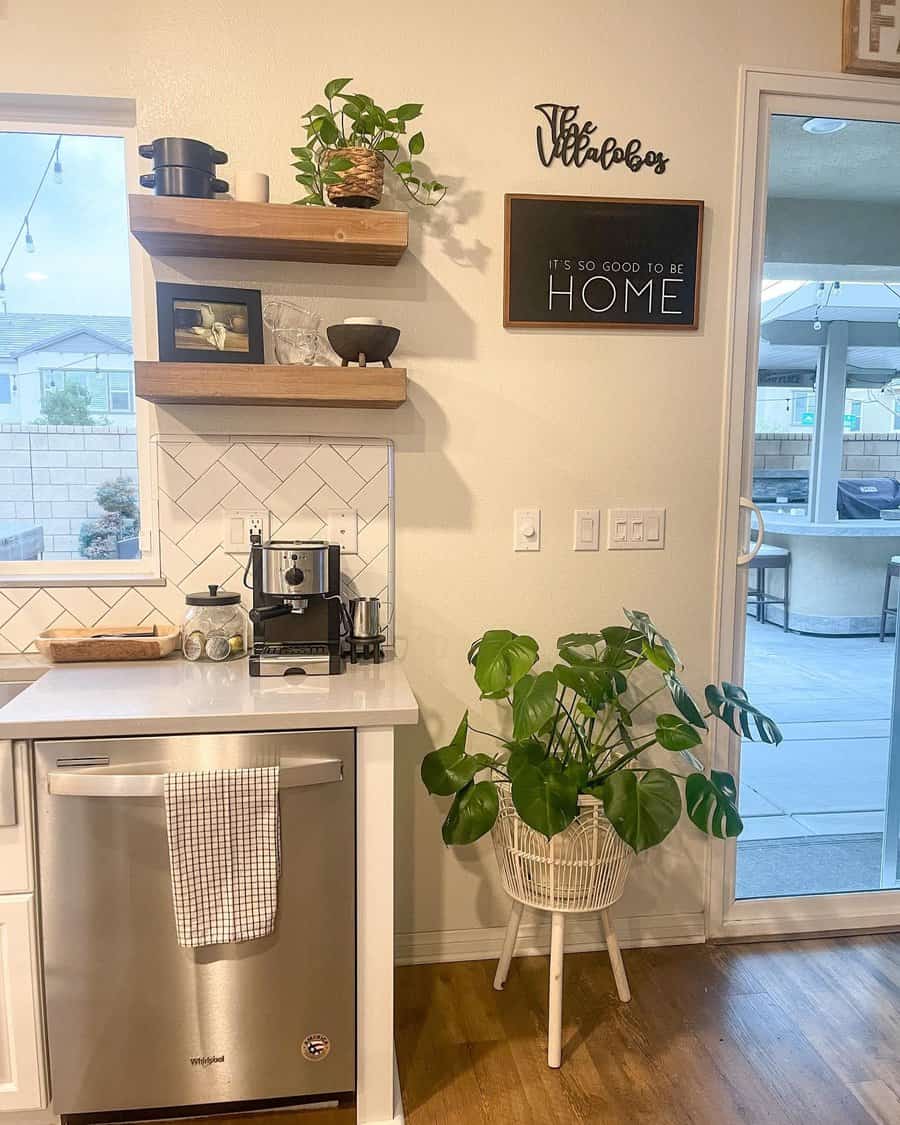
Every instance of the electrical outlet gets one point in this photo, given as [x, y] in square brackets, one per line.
[343, 528]
[237, 525]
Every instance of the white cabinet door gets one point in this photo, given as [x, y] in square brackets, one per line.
[23, 1083]
[16, 828]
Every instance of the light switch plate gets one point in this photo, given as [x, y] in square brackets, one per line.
[586, 532]
[636, 529]
[527, 529]
[237, 523]
[343, 528]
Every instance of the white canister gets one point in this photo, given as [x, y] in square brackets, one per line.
[251, 187]
[363, 320]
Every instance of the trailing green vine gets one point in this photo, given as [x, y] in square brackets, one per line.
[346, 120]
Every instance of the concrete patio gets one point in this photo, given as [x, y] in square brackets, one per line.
[831, 696]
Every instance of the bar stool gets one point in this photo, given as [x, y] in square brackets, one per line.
[766, 559]
[893, 571]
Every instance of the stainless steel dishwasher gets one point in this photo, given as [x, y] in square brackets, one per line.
[135, 1021]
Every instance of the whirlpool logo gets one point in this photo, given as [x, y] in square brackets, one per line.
[207, 1060]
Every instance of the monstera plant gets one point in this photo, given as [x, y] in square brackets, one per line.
[576, 729]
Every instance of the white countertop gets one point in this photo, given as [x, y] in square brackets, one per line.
[174, 696]
[841, 529]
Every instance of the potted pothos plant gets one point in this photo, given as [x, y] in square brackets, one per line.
[348, 140]
[577, 734]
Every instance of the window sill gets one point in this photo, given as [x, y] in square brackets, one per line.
[30, 581]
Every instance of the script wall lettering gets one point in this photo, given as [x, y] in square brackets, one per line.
[561, 137]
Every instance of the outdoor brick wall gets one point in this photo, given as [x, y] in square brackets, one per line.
[865, 455]
[50, 474]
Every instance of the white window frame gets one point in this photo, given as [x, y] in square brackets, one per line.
[99, 117]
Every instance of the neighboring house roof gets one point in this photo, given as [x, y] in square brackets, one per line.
[29, 332]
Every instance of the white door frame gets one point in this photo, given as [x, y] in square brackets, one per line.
[763, 92]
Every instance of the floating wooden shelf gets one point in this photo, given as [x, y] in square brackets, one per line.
[262, 384]
[167, 226]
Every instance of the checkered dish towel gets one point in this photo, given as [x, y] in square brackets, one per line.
[224, 853]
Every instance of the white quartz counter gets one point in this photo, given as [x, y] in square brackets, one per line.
[174, 696]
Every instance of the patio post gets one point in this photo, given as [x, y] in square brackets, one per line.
[828, 439]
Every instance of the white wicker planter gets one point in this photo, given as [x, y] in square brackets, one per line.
[581, 870]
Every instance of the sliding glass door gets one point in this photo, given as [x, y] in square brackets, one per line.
[809, 622]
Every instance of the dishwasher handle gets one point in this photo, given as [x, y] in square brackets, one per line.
[114, 781]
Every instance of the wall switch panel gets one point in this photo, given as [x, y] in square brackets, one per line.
[636, 529]
[238, 523]
[343, 528]
[587, 529]
[527, 529]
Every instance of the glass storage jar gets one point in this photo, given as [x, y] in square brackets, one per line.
[216, 626]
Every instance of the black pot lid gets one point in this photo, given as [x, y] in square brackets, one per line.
[215, 596]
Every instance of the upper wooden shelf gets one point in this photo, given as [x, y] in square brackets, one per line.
[169, 226]
[270, 384]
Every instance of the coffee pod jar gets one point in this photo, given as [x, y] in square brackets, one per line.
[216, 626]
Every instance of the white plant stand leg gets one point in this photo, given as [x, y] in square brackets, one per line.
[615, 957]
[557, 947]
[509, 945]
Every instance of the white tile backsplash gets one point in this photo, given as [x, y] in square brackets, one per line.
[296, 479]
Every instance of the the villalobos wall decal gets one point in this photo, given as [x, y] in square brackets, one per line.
[563, 138]
[584, 262]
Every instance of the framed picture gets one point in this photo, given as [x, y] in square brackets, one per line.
[208, 324]
[581, 261]
[872, 37]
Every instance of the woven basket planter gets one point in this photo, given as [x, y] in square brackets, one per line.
[363, 184]
[580, 870]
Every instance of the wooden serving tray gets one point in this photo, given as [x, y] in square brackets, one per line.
[65, 646]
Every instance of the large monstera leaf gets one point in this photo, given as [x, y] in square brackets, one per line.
[674, 733]
[534, 700]
[446, 771]
[731, 705]
[472, 813]
[546, 796]
[643, 807]
[712, 804]
[595, 683]
[684, 701]
[501, 659]
[642, 623]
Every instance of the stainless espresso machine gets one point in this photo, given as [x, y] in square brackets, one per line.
[297, 614]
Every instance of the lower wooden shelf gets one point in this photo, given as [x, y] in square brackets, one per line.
[265, 384]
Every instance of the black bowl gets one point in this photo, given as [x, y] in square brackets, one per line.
[363, 343]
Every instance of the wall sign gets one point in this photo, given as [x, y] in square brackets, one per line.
[872, 37]
[561, 137]
[575, 261]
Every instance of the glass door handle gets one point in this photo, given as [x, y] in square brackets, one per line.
[748, 556]
[116, 781]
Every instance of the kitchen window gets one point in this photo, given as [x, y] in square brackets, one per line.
[73, 470]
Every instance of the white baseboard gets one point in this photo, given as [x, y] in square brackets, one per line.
[583, 934]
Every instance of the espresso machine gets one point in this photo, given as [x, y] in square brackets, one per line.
[297, 614]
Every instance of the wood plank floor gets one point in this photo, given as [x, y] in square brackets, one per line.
[804, 1032]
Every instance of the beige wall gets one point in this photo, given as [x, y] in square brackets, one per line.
[496, 418]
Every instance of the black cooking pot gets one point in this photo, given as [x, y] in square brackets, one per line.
[183, 152]
[194, 183]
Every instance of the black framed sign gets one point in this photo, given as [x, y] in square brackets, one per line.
[576, 261]
[208, 324]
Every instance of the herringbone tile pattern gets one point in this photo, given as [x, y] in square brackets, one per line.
[297, 480]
